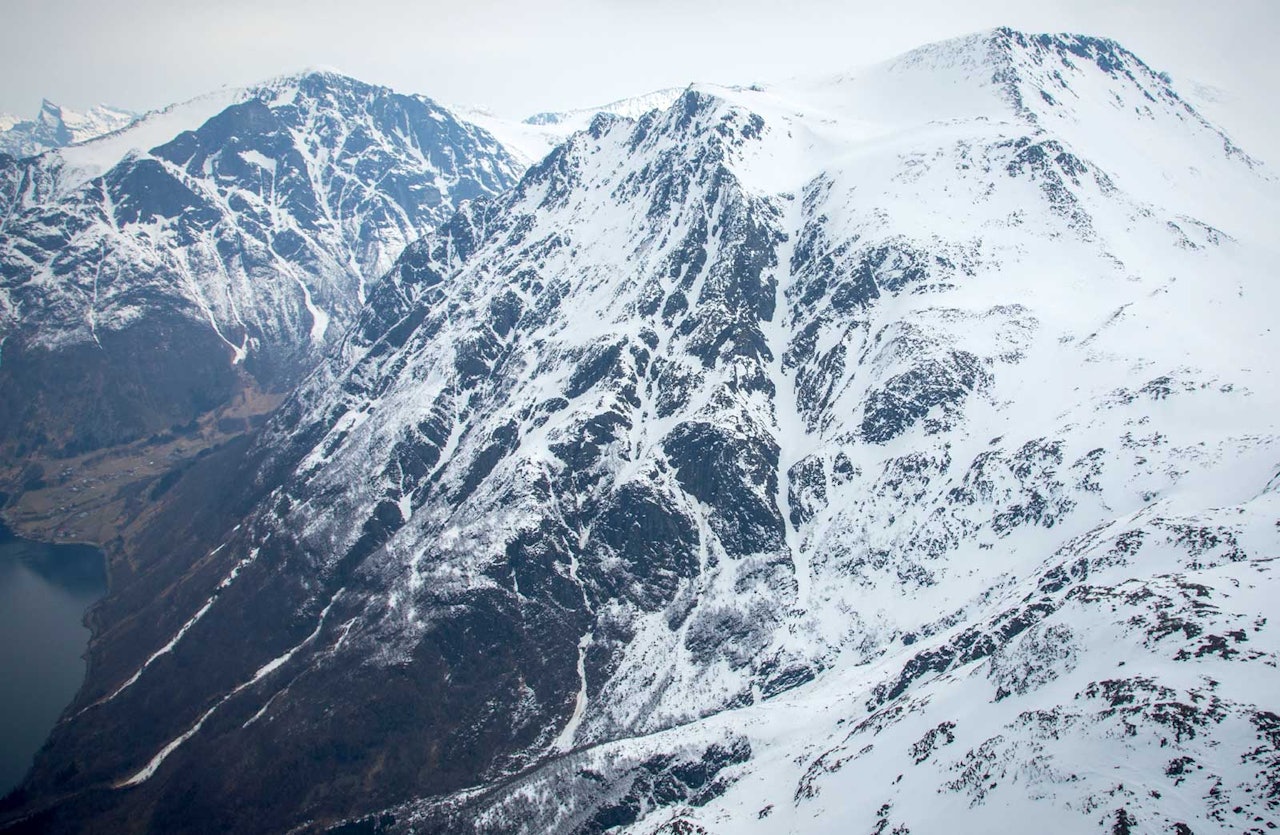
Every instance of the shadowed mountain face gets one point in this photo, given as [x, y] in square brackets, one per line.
[137, 285]
[894, 452]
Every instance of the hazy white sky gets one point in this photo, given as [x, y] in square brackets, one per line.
[523, 57]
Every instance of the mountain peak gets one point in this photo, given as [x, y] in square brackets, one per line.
[1107, 53]
[1069, 50]
[1083, 89]
[55, 126]
[994, 49]
[312, 81]
[323, 75]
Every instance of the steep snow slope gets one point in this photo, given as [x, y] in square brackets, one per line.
[1242, 116]
[238, 228]
[896, 452]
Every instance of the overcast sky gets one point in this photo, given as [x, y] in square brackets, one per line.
[522, 57]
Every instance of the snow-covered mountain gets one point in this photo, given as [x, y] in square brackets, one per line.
[56, 126]
[894, 453]
[140, 271]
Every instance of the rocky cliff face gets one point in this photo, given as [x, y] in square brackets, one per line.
[895, 452]
[137, 282]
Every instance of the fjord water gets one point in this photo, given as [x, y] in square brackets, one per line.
[44, 593]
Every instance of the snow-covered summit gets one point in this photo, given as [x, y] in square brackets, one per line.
[69, 168]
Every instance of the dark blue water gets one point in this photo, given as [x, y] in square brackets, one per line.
[44, 593]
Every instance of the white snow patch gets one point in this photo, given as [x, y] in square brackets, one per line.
[564, 741]
[319, 318]
[259, 159]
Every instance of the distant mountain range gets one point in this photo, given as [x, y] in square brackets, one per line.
[891, 452]
[534, 137]
[55, 127]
